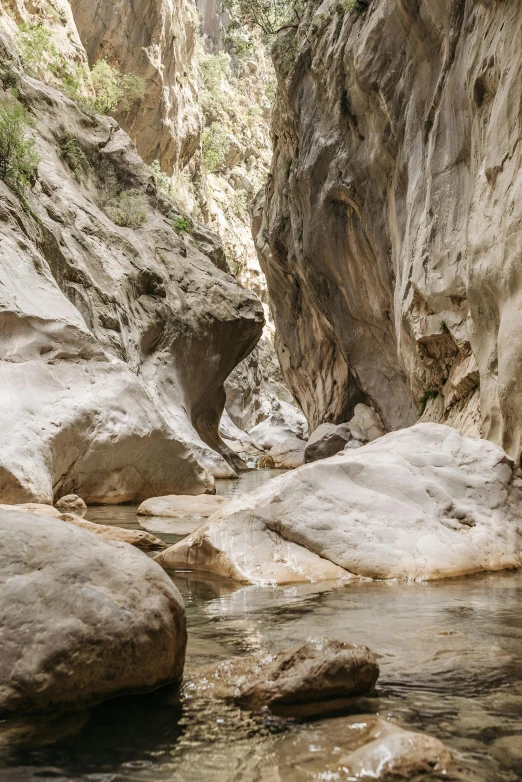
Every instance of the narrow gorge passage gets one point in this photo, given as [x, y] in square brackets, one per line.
[260, 425]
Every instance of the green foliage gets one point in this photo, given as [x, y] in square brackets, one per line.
[41, 57]
[354, 5]
[162, 181]
[8, 76]
[37, 48]
[268, 16]
[18, 156]
[213, 70]
[181, 225]
[216, 146]
[130, 209]
[239, 40]
[72, 153]
[113, 89]
[425, 398]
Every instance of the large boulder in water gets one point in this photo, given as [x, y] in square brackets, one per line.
[83, 619]
[421, 503]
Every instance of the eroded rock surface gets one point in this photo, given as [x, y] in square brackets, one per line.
[83, 619]
[318, 677]
[126, 332]
[422, 503]
[391, 223]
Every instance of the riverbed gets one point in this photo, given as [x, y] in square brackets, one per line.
[450, 655]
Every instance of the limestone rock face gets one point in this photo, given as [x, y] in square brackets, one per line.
[115, 340]
[152, 39]
[422, 503]
[317, 677]
[83, 619]
[389, 230]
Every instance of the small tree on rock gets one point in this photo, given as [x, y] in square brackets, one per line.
[18, 156]
[268, 16]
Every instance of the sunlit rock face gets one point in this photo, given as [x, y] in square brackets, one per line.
[423, 503]
[115, 341]
[390, 232]
[152, 39]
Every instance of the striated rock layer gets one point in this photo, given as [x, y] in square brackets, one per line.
[115, 341]
[391, 228]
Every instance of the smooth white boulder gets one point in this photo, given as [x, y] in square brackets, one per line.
[366, 424]
[83, 619]
[176, 506]
[235, 438]
[273, 431]
[421, 503]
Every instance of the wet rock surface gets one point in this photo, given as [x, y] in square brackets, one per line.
[319, 677]
[83, 619]
[364, 748]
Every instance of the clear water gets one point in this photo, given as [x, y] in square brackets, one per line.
[451, 665]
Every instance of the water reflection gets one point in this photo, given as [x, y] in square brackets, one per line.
[451, 665]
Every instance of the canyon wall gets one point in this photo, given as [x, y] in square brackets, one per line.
[390, 228]
[116, 333]
[154, 40]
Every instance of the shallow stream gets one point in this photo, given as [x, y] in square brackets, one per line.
[450, 655]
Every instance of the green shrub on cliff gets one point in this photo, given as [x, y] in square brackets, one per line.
[113, 89]
[37, 48]
[129, 209]
[268, 16]
[354, 5]
[18, 156]
[216, 146]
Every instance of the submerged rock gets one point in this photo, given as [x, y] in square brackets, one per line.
[318, 677]
[421, 503]
[363, 747]
[175, 506]
[71, 504]
[83, 619]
